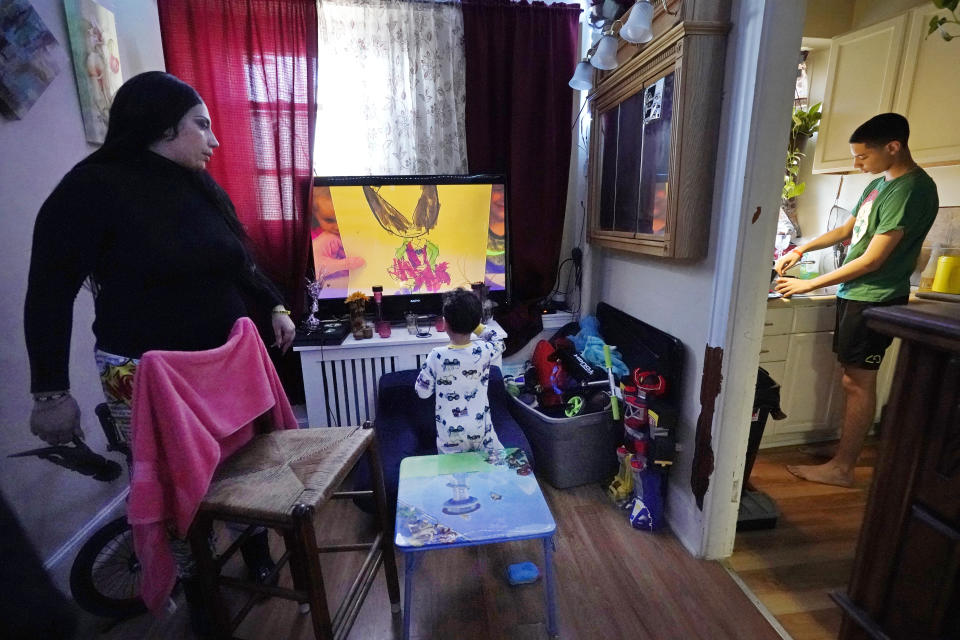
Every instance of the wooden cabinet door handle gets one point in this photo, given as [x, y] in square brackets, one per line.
[768, 324]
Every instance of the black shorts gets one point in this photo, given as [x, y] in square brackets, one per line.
[854, 343]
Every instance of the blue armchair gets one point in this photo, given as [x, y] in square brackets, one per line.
[405, 427]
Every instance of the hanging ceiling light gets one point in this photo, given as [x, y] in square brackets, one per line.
[638, 29]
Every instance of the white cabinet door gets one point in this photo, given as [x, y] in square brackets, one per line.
[928, 91]
[778, 322]
[810, 385]
[774, 349]
[862, 78]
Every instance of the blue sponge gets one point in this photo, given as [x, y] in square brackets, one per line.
[522, 573]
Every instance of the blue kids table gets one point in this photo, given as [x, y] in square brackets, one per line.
[468, 499]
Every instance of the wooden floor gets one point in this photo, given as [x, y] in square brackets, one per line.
[611, 582]
[792, 567]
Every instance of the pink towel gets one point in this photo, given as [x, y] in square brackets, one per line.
[191, 409]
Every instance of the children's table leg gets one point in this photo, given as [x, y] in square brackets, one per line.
[410, 567]
[548, 548]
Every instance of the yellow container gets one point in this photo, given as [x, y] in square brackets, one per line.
[947, 279]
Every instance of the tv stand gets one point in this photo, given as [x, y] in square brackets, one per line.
[341, 381]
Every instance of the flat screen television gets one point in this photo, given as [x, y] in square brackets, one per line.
[416, 236]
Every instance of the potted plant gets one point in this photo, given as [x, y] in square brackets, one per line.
[937, 22]
[357, 305]
[804, 124]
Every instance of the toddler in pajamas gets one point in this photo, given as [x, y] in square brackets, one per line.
[459, 373]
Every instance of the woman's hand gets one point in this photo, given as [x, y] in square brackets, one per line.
[793, 286]
[283, 330]
[56, 421]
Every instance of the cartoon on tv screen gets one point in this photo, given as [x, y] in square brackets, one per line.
[408, 238]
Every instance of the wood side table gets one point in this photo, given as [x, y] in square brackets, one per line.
[906, 573]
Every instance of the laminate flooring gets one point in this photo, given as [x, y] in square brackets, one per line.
[792, 568]
[612, 582]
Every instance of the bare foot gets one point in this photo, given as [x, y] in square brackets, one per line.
[828, 473]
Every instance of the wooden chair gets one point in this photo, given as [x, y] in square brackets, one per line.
[281, 480]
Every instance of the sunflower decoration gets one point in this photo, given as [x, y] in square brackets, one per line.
[356, 304]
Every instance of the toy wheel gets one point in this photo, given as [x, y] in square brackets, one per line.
[573, 407]
[105, 577]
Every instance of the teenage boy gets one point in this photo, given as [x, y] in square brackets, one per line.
[892, 218]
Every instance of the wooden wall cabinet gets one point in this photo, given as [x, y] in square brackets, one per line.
[891, 66]
[653, 144]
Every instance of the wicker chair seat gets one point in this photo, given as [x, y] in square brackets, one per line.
[275, 471]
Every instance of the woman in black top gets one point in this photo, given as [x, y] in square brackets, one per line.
[157, 239]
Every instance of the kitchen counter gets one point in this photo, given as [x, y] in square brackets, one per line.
[825, 299]
[801, 301]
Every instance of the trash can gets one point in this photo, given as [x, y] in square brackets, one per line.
[757, 510]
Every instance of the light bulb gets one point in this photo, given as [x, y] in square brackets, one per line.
[582, 79]
[606, 56]
[637, 29]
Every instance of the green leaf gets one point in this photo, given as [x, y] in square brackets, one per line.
[946, 36]
[946, 4]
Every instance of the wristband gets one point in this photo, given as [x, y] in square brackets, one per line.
[281, 309]
[49, 396]
[796, 251]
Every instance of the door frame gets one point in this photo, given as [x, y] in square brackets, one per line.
[760, 71]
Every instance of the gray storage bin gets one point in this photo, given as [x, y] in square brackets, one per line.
[570, 451]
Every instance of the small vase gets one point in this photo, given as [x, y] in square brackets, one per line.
[356, 318]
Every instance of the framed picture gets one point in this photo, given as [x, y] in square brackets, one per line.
[30, 57]
[96, 61]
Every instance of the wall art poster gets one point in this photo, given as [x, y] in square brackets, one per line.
[96, 61]
[30, 57]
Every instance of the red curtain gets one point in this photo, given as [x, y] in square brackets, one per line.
[254, 62]
[519, 57]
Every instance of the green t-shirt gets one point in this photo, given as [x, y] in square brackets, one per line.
[909, 203]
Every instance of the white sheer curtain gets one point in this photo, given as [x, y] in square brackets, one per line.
[391, 88]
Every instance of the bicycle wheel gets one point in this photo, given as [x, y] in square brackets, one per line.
[105, 577]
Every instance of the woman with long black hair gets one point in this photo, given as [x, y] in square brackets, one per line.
[159, 242]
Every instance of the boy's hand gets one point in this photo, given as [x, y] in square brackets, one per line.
[792, 286]
[786, 261]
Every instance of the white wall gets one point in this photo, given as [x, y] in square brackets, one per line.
[51, 502]
[718, 301]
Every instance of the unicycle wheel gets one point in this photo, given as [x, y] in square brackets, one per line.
[105, 577]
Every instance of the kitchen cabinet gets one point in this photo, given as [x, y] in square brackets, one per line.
[861, 81]
[891, 66]
[797, 352]
[928, 91]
